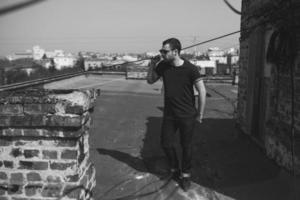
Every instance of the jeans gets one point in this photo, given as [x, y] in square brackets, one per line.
[168, 141]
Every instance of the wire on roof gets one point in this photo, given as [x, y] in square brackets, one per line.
[15, 7]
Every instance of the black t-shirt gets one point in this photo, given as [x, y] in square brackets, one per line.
[178, 88]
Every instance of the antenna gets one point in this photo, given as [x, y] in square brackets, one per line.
[196, 47]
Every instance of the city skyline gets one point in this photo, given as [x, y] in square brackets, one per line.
[120, 26]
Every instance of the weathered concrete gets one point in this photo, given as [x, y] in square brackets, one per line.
[130, 163]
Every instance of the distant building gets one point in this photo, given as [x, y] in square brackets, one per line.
[87, 54]
[61, 61]
[105, 57]
[225, 60]
[50, 54]
[19, 56]
[38, 52]
[206, 67]
[219, 59]
[92, 63]
[152, 54]
[128, 58]
[234, 59]
[233, 56]
[217, 55]
[215, 52]
[59, 53]
[232, 51]
[143, 63]
[46, 63]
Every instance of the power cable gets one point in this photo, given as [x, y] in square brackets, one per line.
[232, 8]
[213, 39]
[9, 9]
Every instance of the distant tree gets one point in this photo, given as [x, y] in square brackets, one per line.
[39, 73]
[4, 63]
[44, 57]
[14, 76]
[79, 63]
[23, 63]
[52, 66]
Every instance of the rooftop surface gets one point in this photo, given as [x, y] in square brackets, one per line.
[125, 147]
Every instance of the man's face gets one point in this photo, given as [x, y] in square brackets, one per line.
[167, 53]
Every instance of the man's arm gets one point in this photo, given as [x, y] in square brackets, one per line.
[152, 76]
[200, 87]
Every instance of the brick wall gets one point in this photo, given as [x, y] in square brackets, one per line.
[275, 97]
[44, 146]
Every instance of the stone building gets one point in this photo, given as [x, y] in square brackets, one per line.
[269, 78]
[92, 64]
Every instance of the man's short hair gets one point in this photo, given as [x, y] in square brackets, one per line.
[174, 44]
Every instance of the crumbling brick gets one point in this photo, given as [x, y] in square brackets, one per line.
[42, 146]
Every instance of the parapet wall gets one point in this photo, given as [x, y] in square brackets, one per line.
[44, 146]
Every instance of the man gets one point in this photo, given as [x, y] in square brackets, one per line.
[179, 79]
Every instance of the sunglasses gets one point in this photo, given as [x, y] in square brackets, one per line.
[163, 51]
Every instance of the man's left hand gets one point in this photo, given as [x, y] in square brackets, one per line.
[199, 118]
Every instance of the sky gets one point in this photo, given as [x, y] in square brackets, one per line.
[117, 26]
